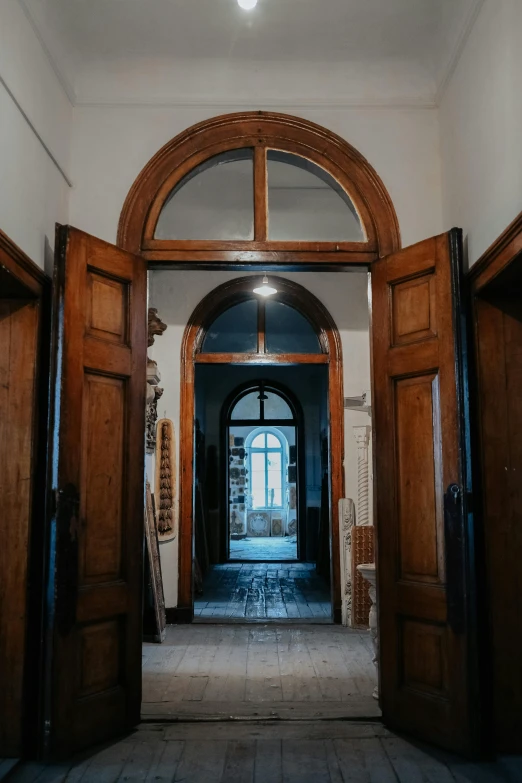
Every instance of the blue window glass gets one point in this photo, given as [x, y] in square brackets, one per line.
[234, 331]
[287, 331]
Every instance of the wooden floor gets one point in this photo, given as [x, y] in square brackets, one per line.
[264, 591]
[320, 752]
[277, 548]
[322, 671]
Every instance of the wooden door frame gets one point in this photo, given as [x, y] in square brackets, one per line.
[21, 279]
[505, 251]
[218, 300]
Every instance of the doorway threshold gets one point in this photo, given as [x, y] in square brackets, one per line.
[216, 620]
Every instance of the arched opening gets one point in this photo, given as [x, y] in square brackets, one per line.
[244, 353]
[258, 189]
[264, 436]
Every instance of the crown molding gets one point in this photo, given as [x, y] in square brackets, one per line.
[221, 102]
[429, 101]
[63, 80]
[454, 59]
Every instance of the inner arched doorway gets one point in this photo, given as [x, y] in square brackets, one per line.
[257, 343]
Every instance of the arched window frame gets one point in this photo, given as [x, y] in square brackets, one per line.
[260, 131]
[264, 429]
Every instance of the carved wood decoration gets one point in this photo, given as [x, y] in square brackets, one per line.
[156, 327]
[151, 540]
[260, 131]
[165, 480]
[362, 552]
[346, 524]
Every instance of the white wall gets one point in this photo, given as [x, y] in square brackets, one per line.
[481, 128]
[35, 127]
[176, 294]
[112, 144]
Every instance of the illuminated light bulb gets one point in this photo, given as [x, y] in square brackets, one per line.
[265, 289]
[247, 5]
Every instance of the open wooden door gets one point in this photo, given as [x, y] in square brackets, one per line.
[96, 549]
[424, 571]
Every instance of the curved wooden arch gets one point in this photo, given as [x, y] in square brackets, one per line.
[221, 298]
[260, 131]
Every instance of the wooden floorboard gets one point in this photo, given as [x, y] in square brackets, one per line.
[263, 670]
[277, 591]
[307, 752]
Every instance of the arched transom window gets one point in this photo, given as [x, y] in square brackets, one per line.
[258, 189]
[267, 328]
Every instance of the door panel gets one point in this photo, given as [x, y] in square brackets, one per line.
[99, 430]
[421, 523]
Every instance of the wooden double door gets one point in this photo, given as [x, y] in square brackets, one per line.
[423, 525]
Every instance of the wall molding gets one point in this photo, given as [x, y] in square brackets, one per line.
[63, 80]
[35, 131]
[454, 59]
[428, 101]
[498, 255]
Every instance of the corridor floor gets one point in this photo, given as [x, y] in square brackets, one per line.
[280, 548]
[265, 671]
[263, 591]
[257, 752]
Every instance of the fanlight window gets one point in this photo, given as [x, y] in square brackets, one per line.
[261, 405]
[214, 201]
[217, 201]
[259, 326]
[306, 203]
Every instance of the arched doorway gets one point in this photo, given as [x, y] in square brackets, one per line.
[265, 424]
[233, 326]
[424, 527]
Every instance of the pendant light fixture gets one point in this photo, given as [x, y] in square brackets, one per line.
[265, 289]
[247, 5]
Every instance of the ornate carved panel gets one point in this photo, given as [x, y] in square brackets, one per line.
[362, 552]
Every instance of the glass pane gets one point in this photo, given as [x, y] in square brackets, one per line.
[259, 442]
[306, 203]
[247, 407]
[258, 480]
[272, 441]
[234, 331]
[214, 201]
[276, 407]
[287, 331]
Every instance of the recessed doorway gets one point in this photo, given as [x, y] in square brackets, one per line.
[262, 529]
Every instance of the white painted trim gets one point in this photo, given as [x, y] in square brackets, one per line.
[226, 102]
[453, 61]
[35, 131]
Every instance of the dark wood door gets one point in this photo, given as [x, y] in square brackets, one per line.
[421, 489]
[94, 670]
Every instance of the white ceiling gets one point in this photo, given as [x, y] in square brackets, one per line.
[114, 50]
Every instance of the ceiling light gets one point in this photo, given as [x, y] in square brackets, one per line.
[247, 4]
[265, 289]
